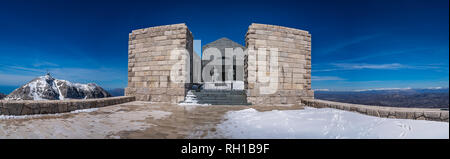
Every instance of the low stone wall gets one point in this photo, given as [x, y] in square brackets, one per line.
[380, 111]
[28, 107]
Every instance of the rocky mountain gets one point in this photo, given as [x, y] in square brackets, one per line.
[2, 95]
[48, 88]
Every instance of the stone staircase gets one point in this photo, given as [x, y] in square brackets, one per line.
[216, 97]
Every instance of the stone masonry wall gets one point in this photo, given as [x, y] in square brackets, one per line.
[380, 111]
[294, 64]
[29, 107]
[150, 63]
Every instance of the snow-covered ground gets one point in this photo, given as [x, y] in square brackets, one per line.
[324, 123]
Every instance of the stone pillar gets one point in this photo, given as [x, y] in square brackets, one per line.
[197, 68]
[151, 60]
[294, 64]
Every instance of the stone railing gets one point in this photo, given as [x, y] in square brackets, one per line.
[28, 107]
[382, 111]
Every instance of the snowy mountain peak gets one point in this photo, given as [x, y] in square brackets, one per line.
[48, 88]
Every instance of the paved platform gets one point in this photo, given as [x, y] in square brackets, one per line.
[128, 120]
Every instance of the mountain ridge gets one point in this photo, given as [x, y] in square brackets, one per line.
[2, 96]
[48, 88]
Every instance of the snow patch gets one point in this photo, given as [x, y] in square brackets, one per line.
[325, 123]
[5, 117]
[192, 104]
[61, 97]
[85, 110]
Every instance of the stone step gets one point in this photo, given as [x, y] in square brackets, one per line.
[219, 92]
[223, 103]
[221, 97]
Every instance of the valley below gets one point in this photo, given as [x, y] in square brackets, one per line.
[409, 98]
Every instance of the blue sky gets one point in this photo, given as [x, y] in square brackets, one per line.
[355, 44]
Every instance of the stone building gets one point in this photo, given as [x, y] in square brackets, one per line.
[276, 65]
[221, 44]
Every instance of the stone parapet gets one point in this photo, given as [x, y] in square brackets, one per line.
[29, 107]
[382, 111]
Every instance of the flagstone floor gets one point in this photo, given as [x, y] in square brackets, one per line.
[129, 120]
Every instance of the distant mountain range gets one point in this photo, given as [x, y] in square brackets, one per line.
[2, 95]
[117, 92]
[48, 88]
[408, 97]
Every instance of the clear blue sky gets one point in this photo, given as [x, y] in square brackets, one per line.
[356, 44]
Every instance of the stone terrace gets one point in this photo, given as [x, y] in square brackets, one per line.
[136, 119]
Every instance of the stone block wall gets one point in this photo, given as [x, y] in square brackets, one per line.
[381, 111]
[293, 80]
[150, 61]
[29, 107]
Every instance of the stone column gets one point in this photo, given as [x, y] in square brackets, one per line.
[151, 61]
[293, 80]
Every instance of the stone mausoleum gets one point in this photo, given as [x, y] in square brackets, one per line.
[274, 67]
[221, 44]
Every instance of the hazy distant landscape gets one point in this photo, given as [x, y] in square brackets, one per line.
[117, 92]
[418, 98]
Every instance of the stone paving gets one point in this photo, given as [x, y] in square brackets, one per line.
[129, 120]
